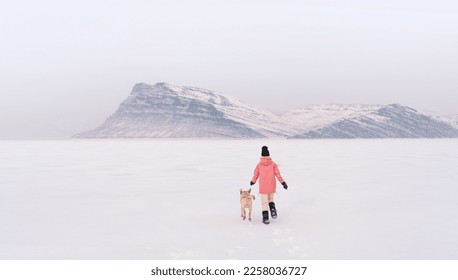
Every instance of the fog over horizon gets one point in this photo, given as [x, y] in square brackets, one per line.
[66, 67]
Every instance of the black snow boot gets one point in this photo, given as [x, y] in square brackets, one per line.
[273, 210]
[265, 217]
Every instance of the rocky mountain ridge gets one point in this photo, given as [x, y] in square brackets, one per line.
[170, 111]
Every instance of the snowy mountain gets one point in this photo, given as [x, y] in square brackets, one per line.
[451, 119]
[378, 121]
[317, 116]
[164, 110]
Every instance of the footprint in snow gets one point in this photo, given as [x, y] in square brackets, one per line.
[284, 231]
[283, 241]
[234, 250]
[178, 254]
[285, 238]
[293, 250]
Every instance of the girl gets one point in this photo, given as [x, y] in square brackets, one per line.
[266, 171]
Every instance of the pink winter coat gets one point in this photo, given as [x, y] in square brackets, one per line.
[266, 171]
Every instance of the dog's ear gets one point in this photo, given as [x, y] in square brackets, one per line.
[249, 191]
[240, 191]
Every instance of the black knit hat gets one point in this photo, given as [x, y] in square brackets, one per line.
[265, 152]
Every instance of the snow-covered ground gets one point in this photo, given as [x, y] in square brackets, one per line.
[179, 199]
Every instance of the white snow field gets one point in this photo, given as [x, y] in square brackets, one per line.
[179, 199]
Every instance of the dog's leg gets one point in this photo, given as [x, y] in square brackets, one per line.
[243, 214]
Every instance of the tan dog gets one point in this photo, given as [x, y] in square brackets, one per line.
[246, 201]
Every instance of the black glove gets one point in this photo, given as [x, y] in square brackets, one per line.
[285, 185]
[251, 183]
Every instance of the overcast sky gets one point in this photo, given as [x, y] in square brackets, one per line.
[65, 66]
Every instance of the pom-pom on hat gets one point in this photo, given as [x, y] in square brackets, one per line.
[265, 151]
